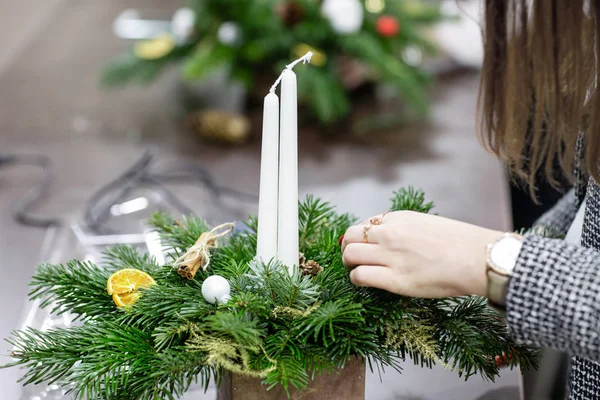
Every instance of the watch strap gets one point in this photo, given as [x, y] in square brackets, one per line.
[497, 289]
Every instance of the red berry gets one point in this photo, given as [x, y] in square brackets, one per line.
[388, 26]
[341, 239]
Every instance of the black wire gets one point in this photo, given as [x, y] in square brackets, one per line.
[140, 174]
[115, 190]
[97, 210]
[21, 211]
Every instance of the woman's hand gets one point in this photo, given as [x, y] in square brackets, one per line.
[419, 255]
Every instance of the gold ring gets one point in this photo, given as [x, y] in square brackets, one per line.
[378, 220]
[366, 233]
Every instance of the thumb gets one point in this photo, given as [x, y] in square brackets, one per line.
[374, 276]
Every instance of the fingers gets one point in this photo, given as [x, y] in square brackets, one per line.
[356, 234]
[374, 276]
[363, 253]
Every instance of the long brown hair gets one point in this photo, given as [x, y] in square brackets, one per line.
[539, 85]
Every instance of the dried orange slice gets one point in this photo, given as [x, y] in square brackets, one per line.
[125, 300]
[123, 285]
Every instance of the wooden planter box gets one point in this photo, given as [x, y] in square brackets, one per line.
[345, 384]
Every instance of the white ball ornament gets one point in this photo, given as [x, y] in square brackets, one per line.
[183, 23]
[229, 33]
[345, 16]
[216, 289]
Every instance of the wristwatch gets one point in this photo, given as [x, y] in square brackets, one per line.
[501, 260]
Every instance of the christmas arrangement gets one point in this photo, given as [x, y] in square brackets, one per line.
[148, 330]
[352, 40]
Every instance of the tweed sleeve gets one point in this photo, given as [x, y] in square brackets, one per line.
[560, 217]
[554, 297]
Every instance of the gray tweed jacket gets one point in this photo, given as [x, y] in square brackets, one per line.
[554, 295]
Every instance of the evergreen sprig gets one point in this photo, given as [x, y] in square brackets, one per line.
[78, 287]
[410, 199]
[283, 328]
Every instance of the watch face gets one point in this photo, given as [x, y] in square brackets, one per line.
[504, 253]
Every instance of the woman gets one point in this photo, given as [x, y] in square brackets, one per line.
[540, 75]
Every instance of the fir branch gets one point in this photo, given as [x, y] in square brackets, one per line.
[91, 357]
[229, 268]
[410, 200]
[290, 371]
[359, 341]
[382, 359]
[47, 356]
[462, 347]
[273, 281]
[248, 302]
[106, 360]
[178, 234]
[334, 282]
[471, 338]
[232, 260]
[526, 357]
[174, 333]
[244, 330]
[329, 318]
[313, 215]
[78, 287]
[317, 361]
[120, 257]
[252, 224]
[283, 340]
[167, 302]
[172, 372]
[295, 290]
[317, 219]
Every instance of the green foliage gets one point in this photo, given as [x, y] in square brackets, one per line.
[178, 234]
[410, 199]
[326, 96]
[207, 58]
[409, 80]
[118, 257]
[128, 68]
[284, 328]
[78, 287]
[267, 42]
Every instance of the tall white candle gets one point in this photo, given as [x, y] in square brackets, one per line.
[287, 241]
[266, 242]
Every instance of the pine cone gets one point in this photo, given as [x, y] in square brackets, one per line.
[310, 267]
[220, 126]
[301, 259]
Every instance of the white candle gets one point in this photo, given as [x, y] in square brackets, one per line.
[266, 241]
[287, 241]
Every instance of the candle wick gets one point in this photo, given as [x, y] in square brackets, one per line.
[304, 60]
